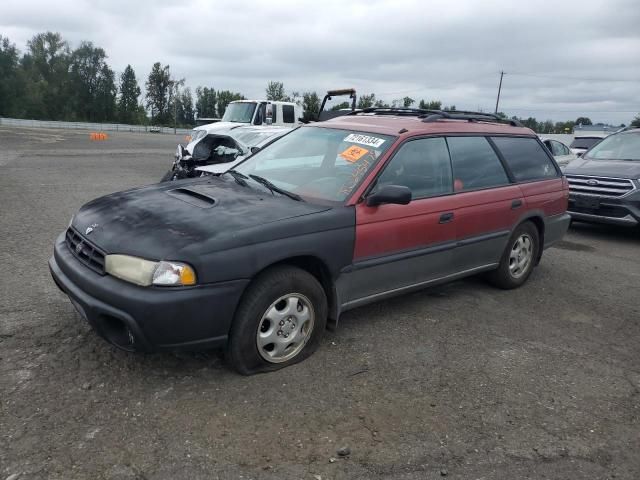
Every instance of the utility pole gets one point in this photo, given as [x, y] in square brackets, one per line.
[175, 109]
[499, 89]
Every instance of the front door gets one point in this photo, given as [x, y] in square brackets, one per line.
[401, 246]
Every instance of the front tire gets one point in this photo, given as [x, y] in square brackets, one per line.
[518, 259]
[280, 321]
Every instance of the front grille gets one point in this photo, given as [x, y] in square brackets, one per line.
[87, 253]
[602, 211]
[601, 186]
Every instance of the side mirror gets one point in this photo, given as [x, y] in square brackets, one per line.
[255, 149]
[579, 154]
[269, 121]
[397, 194]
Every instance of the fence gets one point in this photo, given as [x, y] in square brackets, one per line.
[105, 127]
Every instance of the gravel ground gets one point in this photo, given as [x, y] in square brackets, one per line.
[463, 381]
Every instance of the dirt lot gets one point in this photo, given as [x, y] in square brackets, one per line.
[463, 381]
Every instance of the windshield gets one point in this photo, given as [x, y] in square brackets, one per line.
[623, 146]
[241, 112]
[254, 138]
[318, 163]
[584, 142]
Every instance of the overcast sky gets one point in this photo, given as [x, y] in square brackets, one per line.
[562, 58]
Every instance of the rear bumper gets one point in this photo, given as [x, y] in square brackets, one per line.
[623, 211]
[555, 227]
[147, 318]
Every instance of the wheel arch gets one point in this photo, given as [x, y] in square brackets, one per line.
[537, 218]
[319, 269]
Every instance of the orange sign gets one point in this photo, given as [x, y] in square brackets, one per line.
[353, 153]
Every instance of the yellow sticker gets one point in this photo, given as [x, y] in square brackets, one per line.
[353, 153]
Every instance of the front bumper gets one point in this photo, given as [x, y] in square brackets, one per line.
[624, 211]
[147, 318]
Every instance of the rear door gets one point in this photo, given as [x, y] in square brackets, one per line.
[537, 177]
[488, 204]
[401, 246]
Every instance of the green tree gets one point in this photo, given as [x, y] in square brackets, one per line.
[185, 112]
[225, 97]
[10, 90]
[311, 106]
[46, 67]
[366, 101]
[430, 105]
[206, 102]
[381, 104]
[583, 121]
[636, 121]
[275, 91]
[407, 102]
[452, 108]
[159, 86]
[91, 86]
[128, 107]
[341, 106]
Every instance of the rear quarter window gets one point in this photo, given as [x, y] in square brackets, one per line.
[526, 158]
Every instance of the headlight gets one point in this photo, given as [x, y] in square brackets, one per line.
[173, 273]
[145, 272]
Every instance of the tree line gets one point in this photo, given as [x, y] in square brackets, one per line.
[51, 81]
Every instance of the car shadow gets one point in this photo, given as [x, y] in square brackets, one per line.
[606, 232]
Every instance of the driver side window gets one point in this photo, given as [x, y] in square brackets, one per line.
[422, 165]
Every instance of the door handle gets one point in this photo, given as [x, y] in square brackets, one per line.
[516, 204]
[446, 217]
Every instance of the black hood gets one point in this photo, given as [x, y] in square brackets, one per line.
[604, 168]
[158, 221]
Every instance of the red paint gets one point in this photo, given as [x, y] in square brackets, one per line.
[386, 229]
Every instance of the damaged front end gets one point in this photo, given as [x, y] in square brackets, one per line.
[204, 150]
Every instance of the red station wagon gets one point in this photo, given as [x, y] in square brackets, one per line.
[331, 216]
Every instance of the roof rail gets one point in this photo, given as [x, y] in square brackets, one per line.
[435, 115]
[406, 111]
[471, 117]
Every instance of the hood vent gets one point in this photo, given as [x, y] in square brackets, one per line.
[193, 197]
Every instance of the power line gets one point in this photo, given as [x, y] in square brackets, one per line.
[586, 109]
[576, 79]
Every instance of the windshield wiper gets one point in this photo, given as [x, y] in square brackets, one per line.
[273, 188]
[240, 178]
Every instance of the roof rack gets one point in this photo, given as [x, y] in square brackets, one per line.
[403, 111]
[471, 117]
[435, 115]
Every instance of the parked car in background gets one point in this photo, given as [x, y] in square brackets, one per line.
[331, 216]
[219, 151]
[605, 182]
[581, 144]
[559, 150]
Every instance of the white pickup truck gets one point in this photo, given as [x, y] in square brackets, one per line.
[257, 112]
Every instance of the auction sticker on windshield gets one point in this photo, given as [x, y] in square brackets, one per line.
[354, 153]
[374, 142]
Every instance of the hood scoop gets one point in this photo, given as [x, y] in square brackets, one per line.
[193, 196]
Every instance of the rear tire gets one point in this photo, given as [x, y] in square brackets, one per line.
[280, 321]
[519, 258]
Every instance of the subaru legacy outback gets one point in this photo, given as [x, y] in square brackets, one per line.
[331, 216]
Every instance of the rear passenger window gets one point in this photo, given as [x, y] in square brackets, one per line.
[423, 166]
[526, 158]
[288, 115]
[475, 164]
